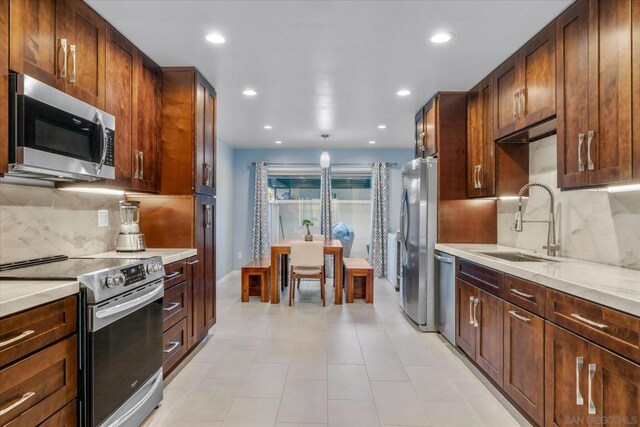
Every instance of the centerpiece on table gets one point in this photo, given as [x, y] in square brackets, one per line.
[308, 237]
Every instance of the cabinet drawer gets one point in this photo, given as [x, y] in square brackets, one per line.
[174, 346]
[612, 329]
[65, 417]
[175, 305]
[525, 294]
[38, 386]
[175, 273]
[32, 330]
[484, 278]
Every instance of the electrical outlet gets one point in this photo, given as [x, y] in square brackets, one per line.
[103, 218]
[239, 255]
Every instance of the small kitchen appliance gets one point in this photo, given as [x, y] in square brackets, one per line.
[130, 239]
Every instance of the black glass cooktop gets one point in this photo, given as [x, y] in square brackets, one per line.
[60, 268]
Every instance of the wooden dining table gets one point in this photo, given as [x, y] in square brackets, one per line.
[279, 262]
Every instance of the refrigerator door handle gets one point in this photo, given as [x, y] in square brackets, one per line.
[404, 219]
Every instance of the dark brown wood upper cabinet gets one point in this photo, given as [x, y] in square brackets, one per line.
[635, 72]
[188, 132]
[525, 87]
[430, 127]
[594, 86]
[4, 85]
[419, 133]
[480, 145]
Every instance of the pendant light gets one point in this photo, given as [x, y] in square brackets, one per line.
[325, 160]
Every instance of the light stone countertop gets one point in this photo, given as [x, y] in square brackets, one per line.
[614, 287]
[19, 295]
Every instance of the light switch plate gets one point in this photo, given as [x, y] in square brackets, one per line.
[239, 255]
[103, 218]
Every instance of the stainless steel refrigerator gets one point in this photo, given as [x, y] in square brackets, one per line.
[418, 232]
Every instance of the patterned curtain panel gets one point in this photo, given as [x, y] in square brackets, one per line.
[379, 218]
[326, 217]
[261, 238]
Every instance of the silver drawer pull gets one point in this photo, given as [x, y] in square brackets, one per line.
[475, 306]
[592, 373]
[522, 294]
[471, 310]
[28, 395]
[589, 322]
[18, 338]
[173, 346]
[171, 306]
[193, 262]
[579, 363]
[172, 275]
[519, 316]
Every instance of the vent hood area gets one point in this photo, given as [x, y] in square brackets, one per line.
[532, 133]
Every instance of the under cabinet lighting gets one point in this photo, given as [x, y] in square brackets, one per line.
[109, 191]
[622, 188]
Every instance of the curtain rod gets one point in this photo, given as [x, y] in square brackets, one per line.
[392, 164]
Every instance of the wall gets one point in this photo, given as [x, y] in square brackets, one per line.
[243, 181]
[38, 222]
[224, 209]
[591, 225]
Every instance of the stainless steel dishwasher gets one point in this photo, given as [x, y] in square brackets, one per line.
[446, 295]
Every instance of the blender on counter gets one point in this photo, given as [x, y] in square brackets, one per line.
[130, 239]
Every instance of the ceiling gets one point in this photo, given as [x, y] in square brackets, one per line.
[328, 66]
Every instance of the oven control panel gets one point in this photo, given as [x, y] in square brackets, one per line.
[133, 274]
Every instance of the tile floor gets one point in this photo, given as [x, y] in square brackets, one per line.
[350, 365]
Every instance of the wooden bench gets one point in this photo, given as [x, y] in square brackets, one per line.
[255, 280]
[359, 279]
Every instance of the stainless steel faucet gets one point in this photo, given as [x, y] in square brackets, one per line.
[552, 246]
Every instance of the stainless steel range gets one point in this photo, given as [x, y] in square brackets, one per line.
[120, 333]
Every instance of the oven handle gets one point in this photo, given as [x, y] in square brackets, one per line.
[103, 141]
[134, 409]
[126, 306]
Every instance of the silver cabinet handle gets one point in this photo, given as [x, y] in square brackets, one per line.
[28, 395]
[519, 316]
[592, 373]
[480, 178]
[580, 142]
[590, 164]
[172, 275]
[471, 322]
[207, 221]
[522, 294]
[589, 322]
[475, 306]
[171, 306]
[136, 173]
[141, 157]
[515, 104]
[63, 47]
[579, 363]
[18, 338]
[522, 98]
[193, 262]
[72, 50]
[172, 346]
[443, 259]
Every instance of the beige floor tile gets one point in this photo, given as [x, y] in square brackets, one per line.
[348, 353]
[308, 365]
[375, 341]
[304, 401]
[384, 366]
[397, 404]
[220, 387]
[264, 380]
[451, 414]
[353, 413]
[432, 385]
[250, 412]
[349, 382]
[199, 406]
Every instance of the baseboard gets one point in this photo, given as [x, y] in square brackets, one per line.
[223, 279]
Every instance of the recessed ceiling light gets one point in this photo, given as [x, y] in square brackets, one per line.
[278, 142]
[268, 127]
[382, 126]
[403, 92]
[372, 142]
[214, 38]
[441, 37]
[249, 92]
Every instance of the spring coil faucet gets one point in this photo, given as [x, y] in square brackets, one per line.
[552, 246]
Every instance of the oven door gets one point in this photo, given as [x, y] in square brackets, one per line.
[58, 135]
[124, 350]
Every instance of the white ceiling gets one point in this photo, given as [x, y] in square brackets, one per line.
[328, 66]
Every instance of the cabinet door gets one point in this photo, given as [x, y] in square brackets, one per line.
[201, 166]
[572, 79]
[210, 139]
[205, 244]
[419, 134]
[195, 294]
[609, 136]
[506, 83]
[524, 360]
[430, 128]
[465, 323]
[488, 169]
[539, 78]
[635, 72]
[614, 394]
[210, 266]
[120, 101]
[474, 141]
[146, 144]
[4, 84]
[37, 35]
[87, 44]
[565, 370]
[489, 336]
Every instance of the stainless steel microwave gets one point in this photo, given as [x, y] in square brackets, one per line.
[55, 136]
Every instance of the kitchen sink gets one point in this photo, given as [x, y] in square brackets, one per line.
[515, 256]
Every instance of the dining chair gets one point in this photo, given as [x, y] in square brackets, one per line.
[307, 262]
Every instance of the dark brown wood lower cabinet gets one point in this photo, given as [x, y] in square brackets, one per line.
[489, 338]
[524, 360]
[65, 417]
[465, 329]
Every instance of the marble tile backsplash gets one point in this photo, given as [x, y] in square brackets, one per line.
[592, 225]
[37, 222]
